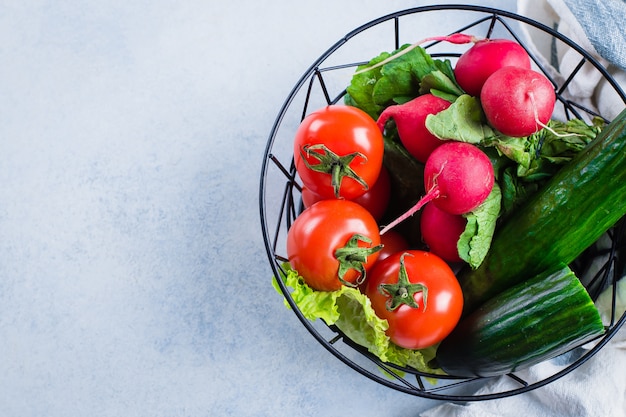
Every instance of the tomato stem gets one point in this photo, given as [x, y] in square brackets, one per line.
[330, 163]
[353, 256]
[403, 292]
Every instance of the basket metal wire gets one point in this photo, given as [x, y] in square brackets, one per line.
[324, 83]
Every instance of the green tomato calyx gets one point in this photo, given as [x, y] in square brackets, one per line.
[353, 256]
[330, 163]
[403, 292]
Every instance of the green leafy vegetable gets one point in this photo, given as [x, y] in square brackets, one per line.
[352, 313]
[441, 82]
[400, 80]
[556, 146]
[475, 241]
[464, 121]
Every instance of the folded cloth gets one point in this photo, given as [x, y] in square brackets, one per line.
[603, 23]
[598, 386]
[595, 25]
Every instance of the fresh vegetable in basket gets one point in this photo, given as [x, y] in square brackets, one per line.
[441, 231]
[393, 242]
[333, 243]
[338, 152]
[531, 322]
[458, 177]
[375, 199]
[419, 296]
[484, 58]
[409, 119]
[527, 105]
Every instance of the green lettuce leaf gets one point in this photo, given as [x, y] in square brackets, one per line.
[475, 241]
[351, 311]
[463, 121]
[400, 80]
[553, 147]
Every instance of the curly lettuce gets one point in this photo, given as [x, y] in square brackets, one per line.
[352, 312]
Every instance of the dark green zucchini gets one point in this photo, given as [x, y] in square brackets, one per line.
[522, 326]
[567, 215]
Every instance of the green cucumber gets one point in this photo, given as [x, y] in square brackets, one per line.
[584, 199]
[536, 320]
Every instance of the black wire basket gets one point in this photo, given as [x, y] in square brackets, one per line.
[325, 82]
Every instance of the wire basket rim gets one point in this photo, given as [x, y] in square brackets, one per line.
[408, 387]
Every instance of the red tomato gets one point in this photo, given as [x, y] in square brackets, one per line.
[309, 197]
[338, 152]
[375, 200]
[419, 296]
[333, 243]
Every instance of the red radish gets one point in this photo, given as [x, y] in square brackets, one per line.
[458, 177]
[410, 120]
[376, 199]
[441, 231]
[484, 58]
[518, 101]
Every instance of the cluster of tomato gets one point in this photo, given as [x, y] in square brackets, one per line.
[336, 240]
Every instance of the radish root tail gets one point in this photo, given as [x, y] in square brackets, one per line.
[531, 96]
[431, 195]
[455, 38]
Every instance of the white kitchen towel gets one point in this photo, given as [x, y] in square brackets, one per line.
[599, 28]
[597, 387]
